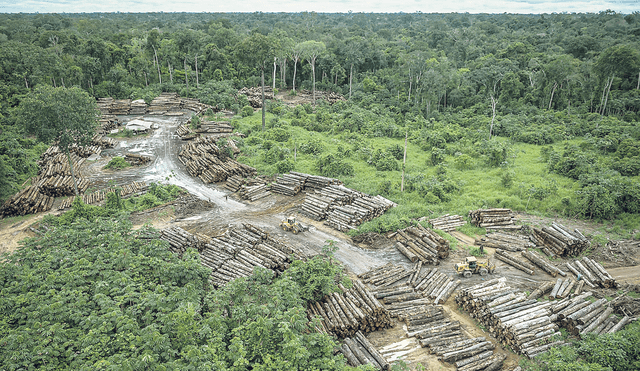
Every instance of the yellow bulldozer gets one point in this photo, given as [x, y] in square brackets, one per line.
[471, 265]
[290, 224]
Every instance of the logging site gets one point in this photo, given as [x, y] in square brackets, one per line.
[486, 290]
[306, 186]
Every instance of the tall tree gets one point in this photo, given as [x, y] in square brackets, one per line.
[64, 116]
[311, 50]
[295, 53]
[258, 51]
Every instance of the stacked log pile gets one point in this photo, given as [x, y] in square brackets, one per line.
[344, 208]
[171, 103]
[254, 192]
[539, 261]
[522, 324]
[126, 191]
[121, 107]
[504, 241]
[234, 183]
[592, 273]
[447, 222]
[138, 107]
[353, 310]
[214, 127]
[103, 142]
[28, 201]
[315, 182]
[470, 354]
[420, 243]
[580, 316]
[185, 132]
[234, 254]
[493, 218]
[104, 105]
[204, 160]
[363, 208]
[359, 351]
[561, 241]
[136, 160]
[330, 96]
[254, 95]
[515, 262]
[54, 174]
[107, 123]
[289, 184]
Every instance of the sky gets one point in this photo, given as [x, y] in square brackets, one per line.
[324, 6]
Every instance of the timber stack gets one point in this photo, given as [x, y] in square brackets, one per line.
[254, 192]
[289, 184]
[505, 241]
[522, 324]
[234, 183]
[138, 107]
[185, 132]
[470, 354]
[107, 123]
[362, 209]
[541, 263]
[315, 182]
[561, 241]
[254, 95]
[447, 222]
[493, 219]
[420, 243]
[515, 262]
[136, 160]
[580, 316]
[214, 127]
[104, 105]
[28, 201]
[355, 309]
[359, 351]
[235, 253]
[171, 103]
[103, 142]
[126, 191]
[592, 273]
[203, 159]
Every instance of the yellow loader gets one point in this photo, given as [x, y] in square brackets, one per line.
[471, 265]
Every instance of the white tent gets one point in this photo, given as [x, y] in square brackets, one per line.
[139, 125]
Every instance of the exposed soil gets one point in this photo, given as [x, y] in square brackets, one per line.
[210, 210]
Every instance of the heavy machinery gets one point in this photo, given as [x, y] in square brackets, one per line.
[290, 224]
[471, 265]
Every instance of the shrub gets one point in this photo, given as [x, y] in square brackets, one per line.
[285, 166]
[275, 154]
[331, 166]
[313, 146]
[117, 163]
[397, 151]
[247, 111]
[277, 134]
[437, 156]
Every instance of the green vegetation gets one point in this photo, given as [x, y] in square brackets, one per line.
[98, 295]
[117, 163]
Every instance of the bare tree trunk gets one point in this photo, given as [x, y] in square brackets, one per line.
[263, 105]
[410, 80]
[493, 117]
[186, 75]
[155, 53]
[197, 82]
[404, 160]
[638, 86]
[146, 82]
[607, 96]
[62, 79]
[313, 72]
[555, 85]
[274, 74]
[26, 84]
[170, 72]
[350, 79]
[73, 174]
[295, 69]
